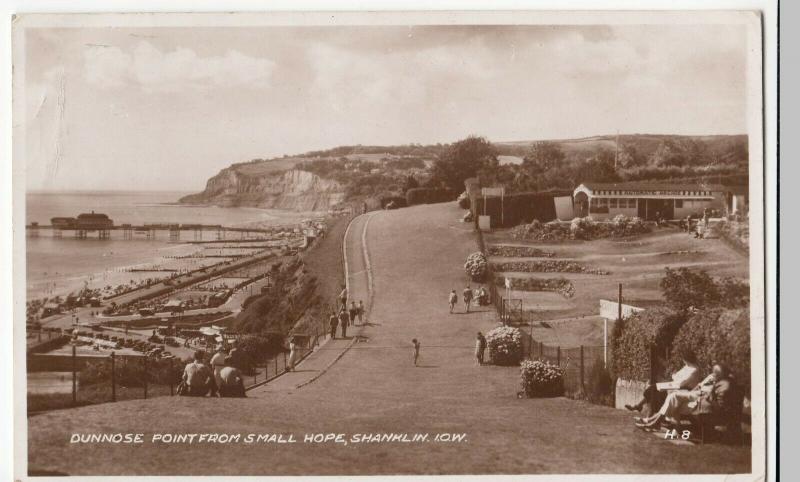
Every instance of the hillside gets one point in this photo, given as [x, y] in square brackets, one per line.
[319, 180]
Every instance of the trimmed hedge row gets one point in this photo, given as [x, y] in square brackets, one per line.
[634, 336]
[717, 335]
[713, 335]
[518, 208]
[424, 195]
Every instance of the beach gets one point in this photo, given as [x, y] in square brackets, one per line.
[58, 267]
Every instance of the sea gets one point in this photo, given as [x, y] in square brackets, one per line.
[60, 266]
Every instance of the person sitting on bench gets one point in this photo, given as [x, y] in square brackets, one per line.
[231, 381]
[711, 393]
[198, 377]
[685, 378]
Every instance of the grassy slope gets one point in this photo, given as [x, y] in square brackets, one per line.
[417, 256]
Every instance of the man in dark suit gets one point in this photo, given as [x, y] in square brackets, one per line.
[344, 320]
[333, 322]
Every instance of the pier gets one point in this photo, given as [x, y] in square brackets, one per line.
[154, 230]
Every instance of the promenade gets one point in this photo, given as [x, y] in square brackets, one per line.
[416, 256]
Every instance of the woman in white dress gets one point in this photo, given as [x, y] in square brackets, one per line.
[292, 354]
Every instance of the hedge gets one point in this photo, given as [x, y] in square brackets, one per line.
[518, 208]
[424, 195]
[717, 335]
[633, 337]
[399, 201]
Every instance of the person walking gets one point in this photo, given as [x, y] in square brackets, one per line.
[453, 300]
[416, 344]
[344, 320]
[333, 322]
[467, 294]
[480, 347]
[360, 312]
[292, 354]
[353, 312]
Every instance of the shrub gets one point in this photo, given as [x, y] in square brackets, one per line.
[717, 335]
[581, 228]
[633, 338]
[254, 349]
[600, 385]
[476, 266]
[541, 379]
[424, 195]
[399, 201]
[684, 288]
[505, 345]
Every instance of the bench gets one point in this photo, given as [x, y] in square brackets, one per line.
[705, 424]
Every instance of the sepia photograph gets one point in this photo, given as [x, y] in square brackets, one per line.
[431, 243]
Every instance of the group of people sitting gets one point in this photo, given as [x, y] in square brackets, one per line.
[219, 378]
[689, 394]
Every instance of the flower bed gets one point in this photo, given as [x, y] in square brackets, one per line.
[505, 345]
[562, 286]
[476, 266]
[519, 252]
[541, 379]
[581, 229]
[546, 266]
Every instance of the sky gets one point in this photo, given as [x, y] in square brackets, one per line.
[166, 108]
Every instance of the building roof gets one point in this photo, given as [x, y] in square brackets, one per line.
[652, 186]
[92, 215]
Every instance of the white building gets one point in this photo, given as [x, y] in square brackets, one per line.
[648, 200]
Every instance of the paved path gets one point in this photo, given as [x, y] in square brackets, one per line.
[358, 280]
[416, 256]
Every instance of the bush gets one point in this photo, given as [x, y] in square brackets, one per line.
[717, 335]
[424, 195]
[476, 266]
[634, 336]
[505, 345]
[541, 379]
[581, 228]
[399, 201]
[254, 349]
[600, 385]
[685, 288]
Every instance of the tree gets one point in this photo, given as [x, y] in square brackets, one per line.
[543, 155]
[598, 169]
[410, 183]
[684, 288]
[462, 160]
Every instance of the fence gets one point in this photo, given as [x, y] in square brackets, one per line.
[576, 362]
[60, 381]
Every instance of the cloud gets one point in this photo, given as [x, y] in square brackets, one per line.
[154, 70]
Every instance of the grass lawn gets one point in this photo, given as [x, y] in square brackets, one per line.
[90, 395]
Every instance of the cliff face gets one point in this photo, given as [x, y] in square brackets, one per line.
[291, 190]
